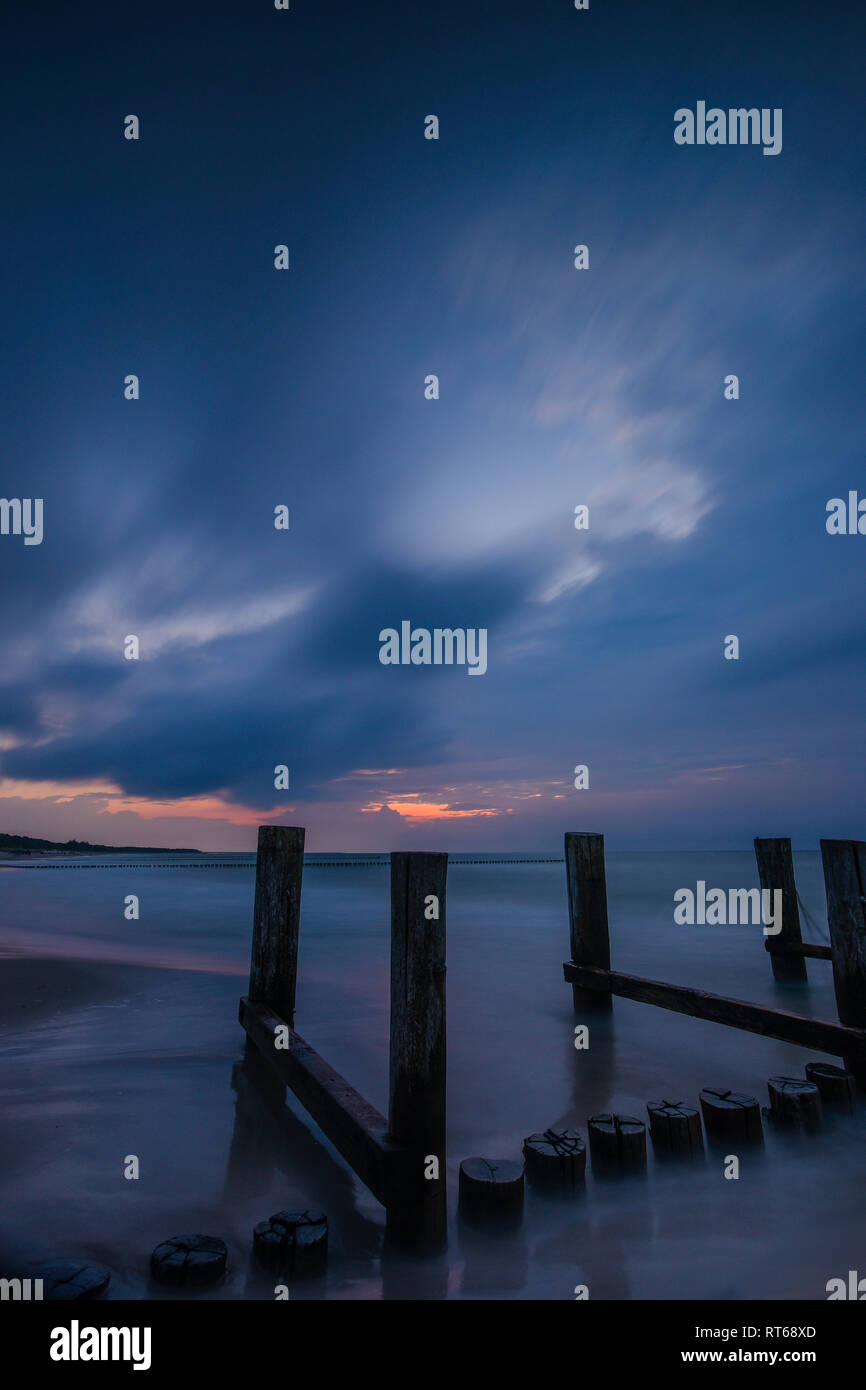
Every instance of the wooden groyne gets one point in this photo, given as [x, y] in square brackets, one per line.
[594, 983]
[401, 1159]
[788, 950]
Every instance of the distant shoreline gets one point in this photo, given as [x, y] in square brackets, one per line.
[24, 844]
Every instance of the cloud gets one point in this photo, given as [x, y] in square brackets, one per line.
[558, 387]
[195, 807]
[430, 811]
[99, 618]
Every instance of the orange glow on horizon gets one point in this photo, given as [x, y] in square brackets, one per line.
[23, 790]
[195, 807]
[426, 810]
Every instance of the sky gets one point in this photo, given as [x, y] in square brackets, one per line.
[305, 388]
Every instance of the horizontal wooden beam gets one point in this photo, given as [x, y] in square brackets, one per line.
[833, 1038]
[798, 948]
[353, 1126]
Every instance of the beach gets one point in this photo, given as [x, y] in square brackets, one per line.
[38, 987]
[104, 1054]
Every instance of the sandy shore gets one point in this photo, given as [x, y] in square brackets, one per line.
[34, 988]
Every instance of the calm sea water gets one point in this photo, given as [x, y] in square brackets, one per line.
[149, 1072]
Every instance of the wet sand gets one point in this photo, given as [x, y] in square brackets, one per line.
[33, 988]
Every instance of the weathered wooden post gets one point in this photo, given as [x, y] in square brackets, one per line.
[794, 1102]
[587, 911]
[555, 1160]
[675, 1127]
[276, 919]
[845, 881]
[416, 1112]
[617, 1144]
[491, 1191]
[189, 1260]
[835, 1085]
[730, 1117]
[273, 976]
[776, 870]
[293, 1243]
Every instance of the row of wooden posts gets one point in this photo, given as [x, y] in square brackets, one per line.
[391, 1156]
[594, 983]
[402, 1158]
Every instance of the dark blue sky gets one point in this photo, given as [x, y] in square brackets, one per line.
[306, 387]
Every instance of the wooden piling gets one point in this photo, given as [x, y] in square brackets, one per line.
[293, 1243]
[555, 1160]
[189, 1261]
[835, 1085]
[276, 919]
[794, 1102]
[416, 1113]
[70, 1281]
[731, 1118]
[617, 1144]
[587, 910]
[401, 1160]
[845, 881]
[675, 1128]
[491, 1191]
[776, 870]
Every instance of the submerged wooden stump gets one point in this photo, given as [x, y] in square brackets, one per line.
[555, 1160]
[189, 1260]
[66, 1281]
[294, 1243]
[795, 1102]
[730, 1116]
[491, 1190]
[835, 1084]
[617, 1143]
[675, 1127]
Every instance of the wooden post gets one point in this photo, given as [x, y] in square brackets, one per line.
[490, 1191]
[835, 1085]
[794, 1102]
[276, 919]
[675, 1127]
[555, 1160]
[730, 1117]
[845, 881]
[416, 1113]
[617, 1144]
[776, 870]
[189, 1260]
[293, 1243]
[587, 911]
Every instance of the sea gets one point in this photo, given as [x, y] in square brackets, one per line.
[152, 1071]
